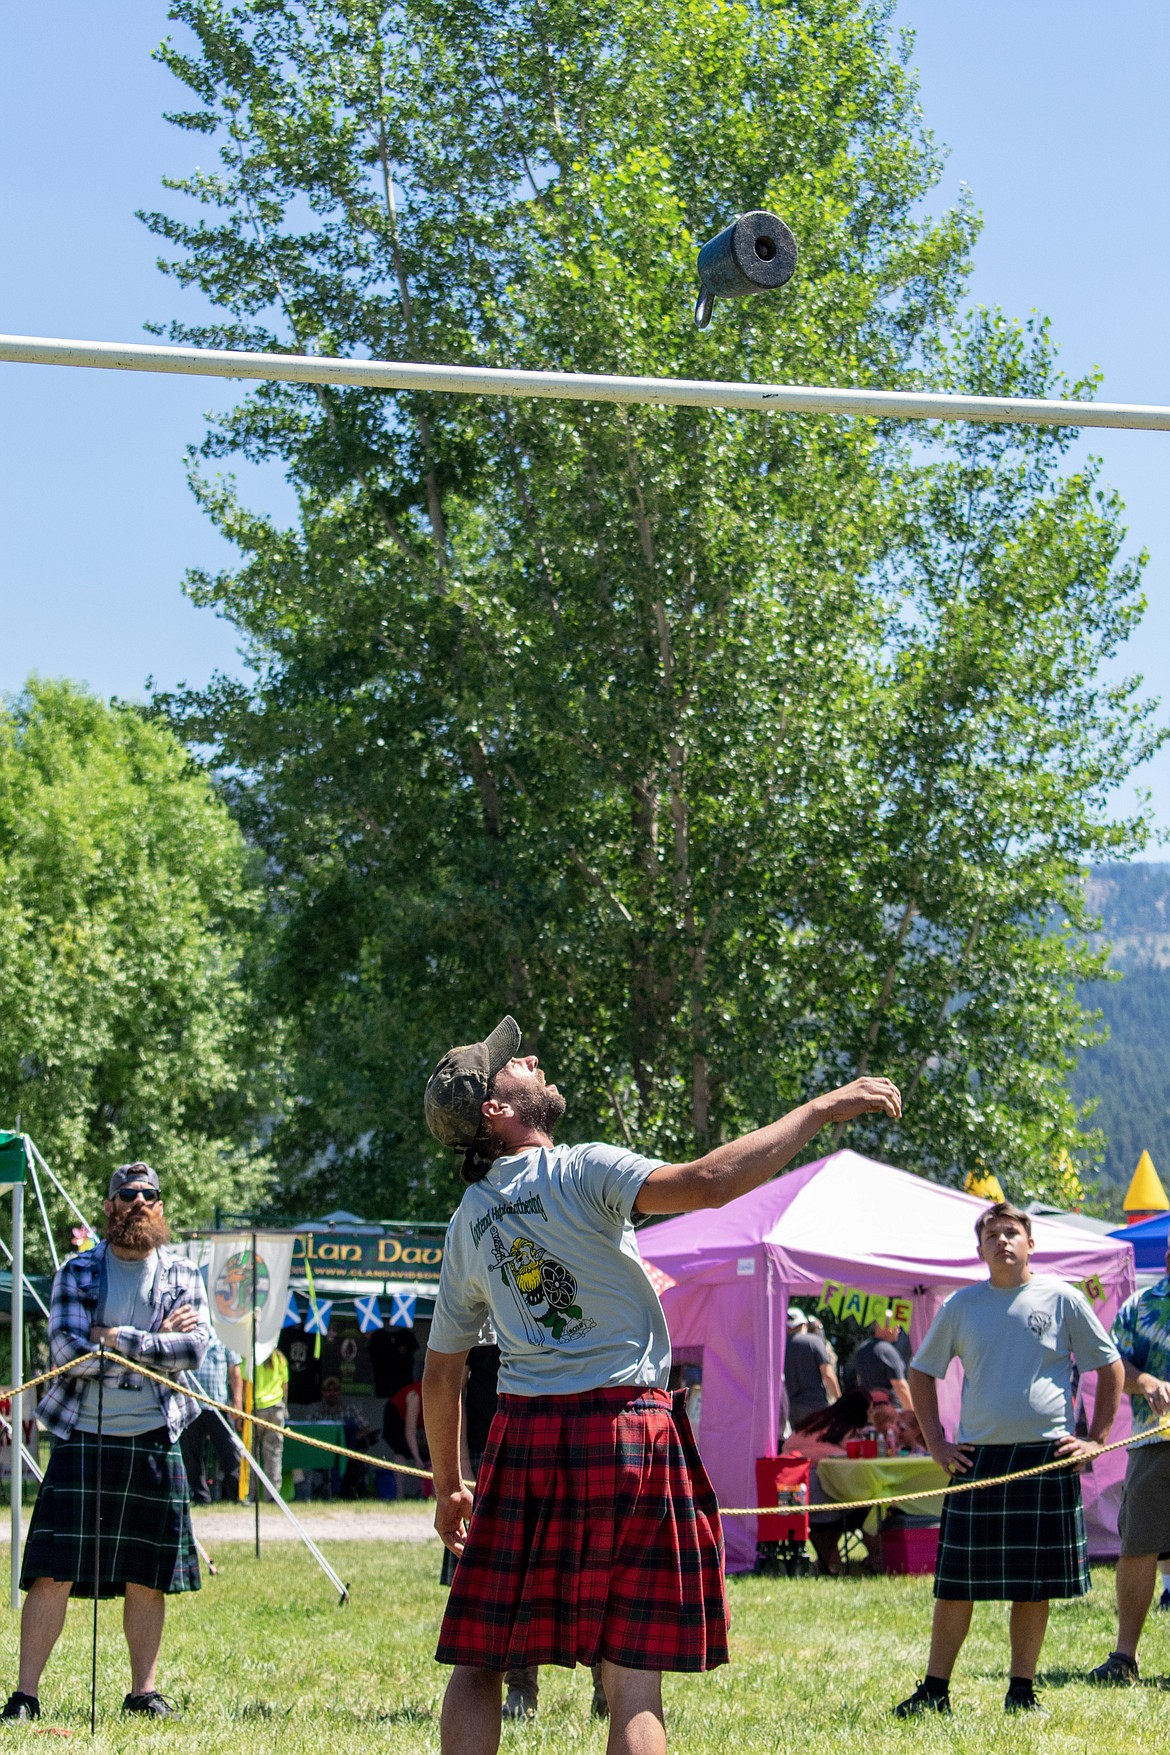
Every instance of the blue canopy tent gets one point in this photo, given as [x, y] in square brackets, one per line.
[1149, 1239]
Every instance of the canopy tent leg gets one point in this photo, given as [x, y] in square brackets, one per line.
[30, 1461]
[17, 1307]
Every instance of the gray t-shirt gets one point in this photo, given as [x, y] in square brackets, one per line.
[876, 1365]
[1016, 1345]
[126, 1304]
[804, 1354]
[544, 1248]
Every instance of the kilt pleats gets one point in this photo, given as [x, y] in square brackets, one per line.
[1024, 1542]
[146, 1533]
[595, 1534]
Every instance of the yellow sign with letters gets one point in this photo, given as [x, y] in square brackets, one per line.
[865, 1308]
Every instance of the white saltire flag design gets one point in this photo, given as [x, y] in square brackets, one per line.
[369, 1313]
[402, 1309]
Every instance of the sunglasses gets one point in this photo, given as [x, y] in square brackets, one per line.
[147, 1195]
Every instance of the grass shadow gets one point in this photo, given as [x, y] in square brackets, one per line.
[1058, 1677]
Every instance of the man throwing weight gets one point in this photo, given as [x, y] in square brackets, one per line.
[595, 1532]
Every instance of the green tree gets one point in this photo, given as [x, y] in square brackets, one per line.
[126, 914]
[990, 782]
[611, 715]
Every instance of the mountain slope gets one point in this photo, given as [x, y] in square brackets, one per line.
[1130, 1073]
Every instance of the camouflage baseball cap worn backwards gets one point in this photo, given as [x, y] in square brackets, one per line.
[459, 1085]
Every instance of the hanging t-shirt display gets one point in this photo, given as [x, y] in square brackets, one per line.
[393, 1352]
[304, 1368]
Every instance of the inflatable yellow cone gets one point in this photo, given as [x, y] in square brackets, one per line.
[1145, 1196]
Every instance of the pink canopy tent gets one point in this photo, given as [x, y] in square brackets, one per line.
[726, 1278]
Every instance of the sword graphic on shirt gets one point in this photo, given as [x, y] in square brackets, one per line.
[543, 1290]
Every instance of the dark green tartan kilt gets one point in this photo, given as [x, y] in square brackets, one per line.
[1021, 1543]
[146, 1535]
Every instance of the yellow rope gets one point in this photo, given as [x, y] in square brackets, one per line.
[377, 1462]
[1060, 1462]
[46, 1376]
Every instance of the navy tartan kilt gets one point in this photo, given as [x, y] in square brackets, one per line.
[595, 1534]
[1020, 1543]
[146, 1535]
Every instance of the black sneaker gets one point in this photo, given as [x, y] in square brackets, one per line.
[21, 1707]
[923, 1700]
[152, 1705]
[1117, 1669]
[599, 1705]
[519, 1703]
[1023, 1700]
[1163, 1601]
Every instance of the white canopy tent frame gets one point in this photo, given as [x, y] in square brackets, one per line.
[581, 386]
[22, 1283]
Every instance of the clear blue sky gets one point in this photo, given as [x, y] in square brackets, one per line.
[1055, 115]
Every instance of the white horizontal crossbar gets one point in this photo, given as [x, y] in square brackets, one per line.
[580, 386]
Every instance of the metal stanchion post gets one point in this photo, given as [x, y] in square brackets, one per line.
[255, 1428]
[17, 1313]
[97, 1544]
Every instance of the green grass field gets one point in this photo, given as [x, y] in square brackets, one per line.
[264, 1660]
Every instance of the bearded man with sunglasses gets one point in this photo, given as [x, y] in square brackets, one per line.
[133, 1296]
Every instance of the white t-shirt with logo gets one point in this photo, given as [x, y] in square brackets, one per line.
[1016, 1345]
[543, 1247]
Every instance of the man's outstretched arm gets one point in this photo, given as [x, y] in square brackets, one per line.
[743, 1164]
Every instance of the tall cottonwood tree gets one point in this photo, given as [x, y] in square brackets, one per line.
[661, 728]
[128, 914]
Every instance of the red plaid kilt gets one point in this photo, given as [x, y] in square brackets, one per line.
[595, 1534]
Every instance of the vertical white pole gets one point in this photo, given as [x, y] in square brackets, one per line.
[17, 1377]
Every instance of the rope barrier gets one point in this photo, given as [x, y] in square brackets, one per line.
[1060, 1462]
[56, 1371]
[289, 368]
[362, 1456]
[378, 1462]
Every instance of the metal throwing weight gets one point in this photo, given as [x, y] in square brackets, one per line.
[755, 253]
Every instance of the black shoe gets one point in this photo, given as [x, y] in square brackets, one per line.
[1118, 1670]
[21, 1706]
[1163, 1601]
[520, 1703]
[1023, 1700]
[923, 1700]
[599, 1705]
[152, 1704]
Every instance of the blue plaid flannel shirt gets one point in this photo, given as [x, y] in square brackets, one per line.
[73, 1307]
[1141, 1334]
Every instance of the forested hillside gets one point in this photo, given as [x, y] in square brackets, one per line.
[1130, 1073]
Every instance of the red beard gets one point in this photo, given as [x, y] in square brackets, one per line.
[136, 1227]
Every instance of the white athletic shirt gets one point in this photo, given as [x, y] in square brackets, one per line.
[544, 1248]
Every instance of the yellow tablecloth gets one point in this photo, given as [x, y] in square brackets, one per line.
[847, 1478]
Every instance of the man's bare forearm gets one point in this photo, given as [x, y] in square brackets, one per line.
[735, 1168]
[1110, 1383]
[741, 1165]
[901, 1390]
[744, 1164]
[924, 1398]
[442, 1387]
